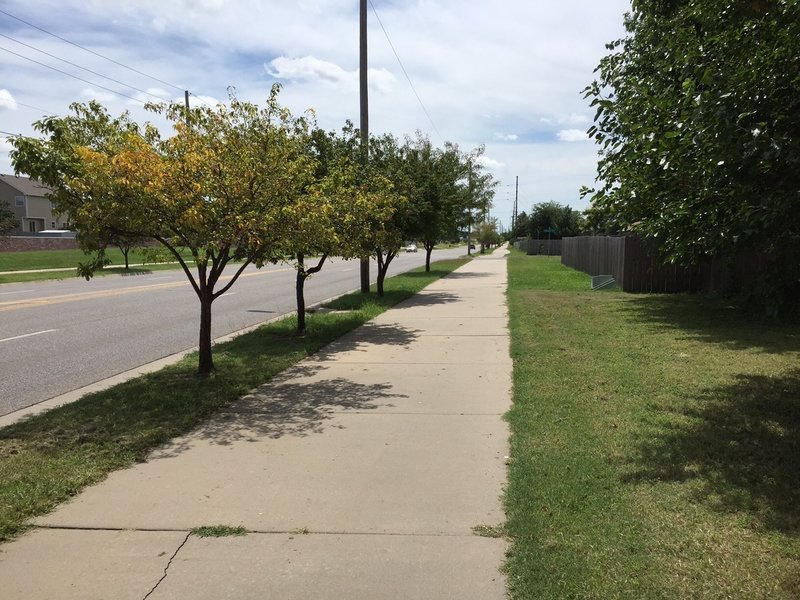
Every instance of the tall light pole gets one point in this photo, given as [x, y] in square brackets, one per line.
[364, 98]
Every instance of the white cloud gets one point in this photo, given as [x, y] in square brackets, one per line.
[481, 79]
[307, 68]
[572, 135]
[311, 69]
[506, 137]
[490, 163]
[7, 100]
[204, 100]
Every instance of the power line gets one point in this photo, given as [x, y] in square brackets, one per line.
[45, 111]
[92, 51]
[73, 76]
[400, 62]
[82, 68]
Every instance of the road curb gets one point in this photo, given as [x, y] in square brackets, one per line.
[151, 367]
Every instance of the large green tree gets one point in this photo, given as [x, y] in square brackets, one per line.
[338, 213]
[217, 186]
[487, 235]
[387, 159]
[434, 179]
[554, 220]
[521, 226]
[698, 120]
[477, 193]
[8, 219]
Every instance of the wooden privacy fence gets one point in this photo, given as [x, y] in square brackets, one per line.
[637, 268]
[546, 247]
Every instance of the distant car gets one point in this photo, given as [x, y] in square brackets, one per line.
[411, 248]
[472, 246]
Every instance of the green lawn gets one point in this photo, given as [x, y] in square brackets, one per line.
[655, 447]
[55, 259]
[69, 259]
[48, 458]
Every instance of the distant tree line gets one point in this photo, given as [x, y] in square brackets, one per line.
[549, 220]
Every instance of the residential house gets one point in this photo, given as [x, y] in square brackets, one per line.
[29, 201]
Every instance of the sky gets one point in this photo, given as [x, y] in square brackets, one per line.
[506, 75]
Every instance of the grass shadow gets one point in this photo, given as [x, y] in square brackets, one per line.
[717, 321]
[741, 444]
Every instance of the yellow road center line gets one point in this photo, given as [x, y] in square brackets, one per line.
[76, 297]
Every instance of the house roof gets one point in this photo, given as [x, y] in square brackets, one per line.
[26, 185]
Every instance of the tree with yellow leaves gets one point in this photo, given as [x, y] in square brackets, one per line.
[219, 186]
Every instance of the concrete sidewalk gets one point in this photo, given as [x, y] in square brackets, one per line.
[359, 473]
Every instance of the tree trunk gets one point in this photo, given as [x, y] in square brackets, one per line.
[383, 268]
[428, 250]
[379, 282]
[206, 362]
[300, 295]
[301, 301]
[125, 254]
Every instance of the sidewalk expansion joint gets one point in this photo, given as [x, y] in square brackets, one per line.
[166, 569]
[420, 413]
[294, 532]
[108, 528]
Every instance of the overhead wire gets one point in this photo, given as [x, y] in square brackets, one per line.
[44, 110]
[408, 78]
[29, 24]
[82, 68]
[72, 75]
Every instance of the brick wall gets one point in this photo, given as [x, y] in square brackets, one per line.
[19, 244]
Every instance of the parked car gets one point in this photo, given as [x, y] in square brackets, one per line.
[411, 248]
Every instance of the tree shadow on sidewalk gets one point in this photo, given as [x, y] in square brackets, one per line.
[426, 298]
[288, 405]
[741, 443]
[369, 334]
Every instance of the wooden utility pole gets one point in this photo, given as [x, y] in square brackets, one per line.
[364, 98]
[516, 205]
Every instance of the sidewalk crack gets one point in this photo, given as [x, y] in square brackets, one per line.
[166, 569]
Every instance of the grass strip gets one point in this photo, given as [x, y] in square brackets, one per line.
[655, 448]
[72, 273]
[62, 259]
[50, 457]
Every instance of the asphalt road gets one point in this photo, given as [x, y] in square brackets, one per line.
[57, 336]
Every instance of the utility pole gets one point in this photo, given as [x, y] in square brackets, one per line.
[186, 103]
[364, 102]
[516, 205]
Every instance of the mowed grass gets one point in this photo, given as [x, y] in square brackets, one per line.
[56, 259]
[50, 457]
[655, 448]
[69, 259]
